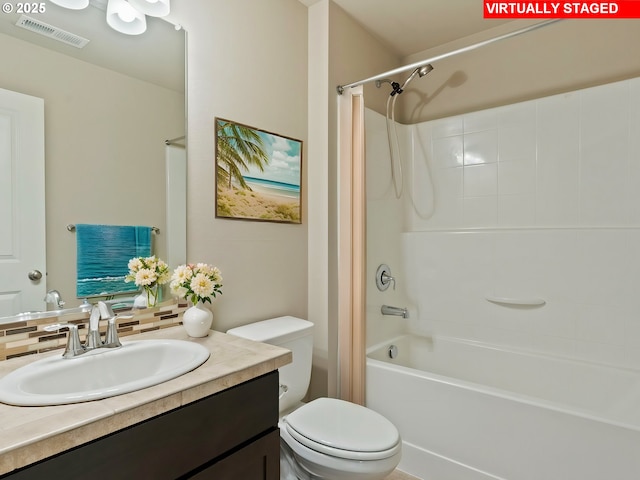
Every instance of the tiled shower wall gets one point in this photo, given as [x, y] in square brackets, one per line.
[539, 199]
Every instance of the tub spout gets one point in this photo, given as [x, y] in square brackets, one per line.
[398, 311]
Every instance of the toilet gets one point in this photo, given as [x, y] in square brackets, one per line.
[326, 438]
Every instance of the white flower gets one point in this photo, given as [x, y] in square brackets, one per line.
[178, 290]
[151, 262]
[145, 276]
[135, 264]
[196, 282]
[182, 273]
[217, 275]
[206, 269]
[148, 271]
[201, 285]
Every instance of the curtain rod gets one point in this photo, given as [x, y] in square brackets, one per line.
[341, 88]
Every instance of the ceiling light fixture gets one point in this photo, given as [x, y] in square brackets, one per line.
[124, 18]
[72, 4]
[153, 8]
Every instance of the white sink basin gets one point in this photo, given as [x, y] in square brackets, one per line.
[100, 373]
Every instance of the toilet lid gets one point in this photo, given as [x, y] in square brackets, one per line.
[343, 429]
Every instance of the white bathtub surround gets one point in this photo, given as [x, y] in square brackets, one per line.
[469, 411]
[537, 200]
[564, 160]
[585, 276]
[385, 221]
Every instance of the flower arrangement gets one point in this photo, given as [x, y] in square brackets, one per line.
[148, 273]
[198, 283]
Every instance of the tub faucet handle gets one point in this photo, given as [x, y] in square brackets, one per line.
[384, 278]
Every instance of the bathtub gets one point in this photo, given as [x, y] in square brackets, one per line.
[467, 410]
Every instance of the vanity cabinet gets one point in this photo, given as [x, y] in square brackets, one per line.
[230, 435]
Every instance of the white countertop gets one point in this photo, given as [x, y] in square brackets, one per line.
[30, 434]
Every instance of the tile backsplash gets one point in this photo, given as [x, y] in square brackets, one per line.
[29, 337]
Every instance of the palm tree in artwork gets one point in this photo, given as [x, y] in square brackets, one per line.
[238, 147]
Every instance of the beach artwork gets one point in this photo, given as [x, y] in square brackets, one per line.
[258, 174]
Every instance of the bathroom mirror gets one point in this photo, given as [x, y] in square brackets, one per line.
[109, 107]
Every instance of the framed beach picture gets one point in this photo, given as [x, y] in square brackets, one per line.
[258, 174]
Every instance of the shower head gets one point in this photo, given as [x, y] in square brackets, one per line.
[421, 71]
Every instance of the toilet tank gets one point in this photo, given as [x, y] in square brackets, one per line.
[293, 334]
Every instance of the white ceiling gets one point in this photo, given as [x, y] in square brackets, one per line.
[406, 26]
[411, 26]
[156, 56]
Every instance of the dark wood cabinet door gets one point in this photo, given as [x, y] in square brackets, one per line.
[260, 460]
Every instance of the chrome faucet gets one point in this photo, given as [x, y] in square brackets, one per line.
[94, 340]
[53, 297]
[398, 311]
[102, 311]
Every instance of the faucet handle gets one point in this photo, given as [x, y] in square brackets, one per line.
[111, 339]
[386, 278]
[74, 346]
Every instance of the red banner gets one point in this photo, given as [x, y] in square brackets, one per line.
[561, 9]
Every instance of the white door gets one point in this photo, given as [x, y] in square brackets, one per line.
[22, 210]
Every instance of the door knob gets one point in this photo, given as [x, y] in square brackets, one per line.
[35, 275]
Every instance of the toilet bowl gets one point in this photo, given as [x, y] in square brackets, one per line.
[326, 438]
[331, 438]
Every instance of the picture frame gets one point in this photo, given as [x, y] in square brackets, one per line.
[258, 174]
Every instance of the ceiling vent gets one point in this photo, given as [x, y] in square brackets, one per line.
[50, 31]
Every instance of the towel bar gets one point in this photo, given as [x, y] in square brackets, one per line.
[72, 228]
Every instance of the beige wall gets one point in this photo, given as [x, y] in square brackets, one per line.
[560, 57]
[104, 147]
[247, 62]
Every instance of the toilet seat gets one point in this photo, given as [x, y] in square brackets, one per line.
[344, 430]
